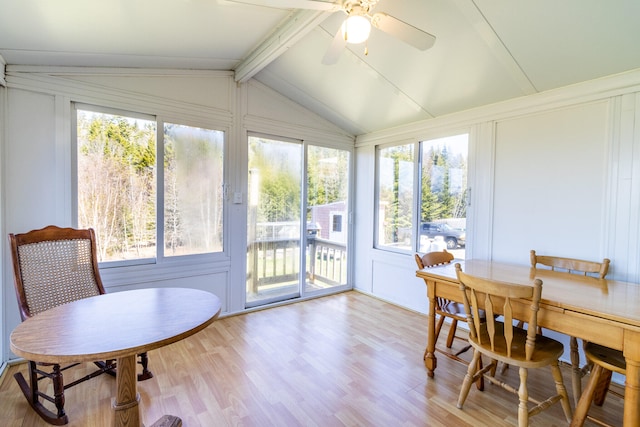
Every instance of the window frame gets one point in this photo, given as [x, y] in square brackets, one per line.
[417, 189]
[377, 219]
[418, 195]
[336, 226]
[160, 119]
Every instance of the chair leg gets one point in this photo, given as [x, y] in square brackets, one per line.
[576, 371]
[468, 379]
[58, 390]
[33, 381]
[602, 388]
[561, 390]
[580, 415]
[452, 332]
[523, 397]
[146, 373]
[438, 327]
[503, 368]
[480, 381]
[32, 394]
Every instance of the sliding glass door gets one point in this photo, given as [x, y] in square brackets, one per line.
[327, 217]
[297, 220]
[273, 227]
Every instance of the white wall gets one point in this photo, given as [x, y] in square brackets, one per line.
[558, 172]
[36, 159]
[549, 185]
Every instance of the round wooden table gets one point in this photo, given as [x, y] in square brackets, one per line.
[117, 325]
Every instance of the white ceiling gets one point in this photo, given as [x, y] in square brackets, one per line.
[486, 51]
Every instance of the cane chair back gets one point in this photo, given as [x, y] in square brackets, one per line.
[585, 268]
[498, 338]
[53, 266]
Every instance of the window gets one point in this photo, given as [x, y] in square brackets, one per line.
[440, 194]
[443, 194]
[135, 208]
[337, 223]
[193, 190]
[395, 177]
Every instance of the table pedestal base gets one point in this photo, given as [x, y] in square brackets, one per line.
[126, 403]
[168, 421]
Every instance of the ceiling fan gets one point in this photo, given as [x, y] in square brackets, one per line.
[356, 27]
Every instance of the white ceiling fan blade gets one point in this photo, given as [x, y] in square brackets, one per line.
[293, 4]
[403, 31]
[335, 50]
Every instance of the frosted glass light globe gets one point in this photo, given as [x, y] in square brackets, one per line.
[356, 29]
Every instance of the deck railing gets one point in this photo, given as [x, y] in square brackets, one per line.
[277, 261]
[328, 261]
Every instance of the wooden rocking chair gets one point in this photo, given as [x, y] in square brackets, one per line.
[54, 266]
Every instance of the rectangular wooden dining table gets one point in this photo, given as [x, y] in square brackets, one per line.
[603, 311]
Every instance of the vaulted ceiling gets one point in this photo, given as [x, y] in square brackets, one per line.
[486, 51]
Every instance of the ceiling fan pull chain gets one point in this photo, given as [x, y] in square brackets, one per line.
[366, 48]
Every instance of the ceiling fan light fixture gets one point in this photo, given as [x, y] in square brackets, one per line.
[356, 29]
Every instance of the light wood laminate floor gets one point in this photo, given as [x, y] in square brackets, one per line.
[343, 360]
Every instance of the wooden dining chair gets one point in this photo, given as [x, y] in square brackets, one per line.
[501, 341]
[54, 266]
[585, 268]
[604, 361]
[446, 308]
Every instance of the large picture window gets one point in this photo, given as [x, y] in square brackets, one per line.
[137, 208]
[438, 191]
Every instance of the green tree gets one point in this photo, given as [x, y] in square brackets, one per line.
[116, 182]
[399, 197]
[327, 169]
[193, 188]
[438, 199]
[279, 184]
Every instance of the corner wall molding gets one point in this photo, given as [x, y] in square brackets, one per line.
[3, 66]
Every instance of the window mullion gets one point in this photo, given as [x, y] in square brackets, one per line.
[160, 190]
